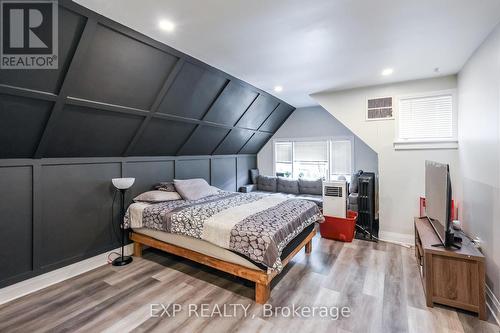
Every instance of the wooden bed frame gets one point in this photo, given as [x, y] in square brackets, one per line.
[261, 278]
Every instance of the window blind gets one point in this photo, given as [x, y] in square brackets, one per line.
[426, 117]
[341, 157]
[313, 159]
[311, 151]
[283, 152]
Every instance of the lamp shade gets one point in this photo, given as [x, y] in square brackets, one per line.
[123, 183]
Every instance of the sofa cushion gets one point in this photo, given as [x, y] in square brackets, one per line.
[311, 186]
[288, 185]
[267, 183]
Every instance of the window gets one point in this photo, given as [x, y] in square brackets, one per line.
[283, 158]
[310, 159]
[325, 158]
[429, 119]
[340, 161]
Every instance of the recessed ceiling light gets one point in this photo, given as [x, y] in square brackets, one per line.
[387, 71]
[278, 89]
[167, 25]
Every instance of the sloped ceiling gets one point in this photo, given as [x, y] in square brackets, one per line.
[313, 46]
[120, 93]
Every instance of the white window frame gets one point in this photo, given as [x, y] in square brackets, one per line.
[423, 144]
[315, 139]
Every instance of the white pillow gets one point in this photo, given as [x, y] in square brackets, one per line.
[194, 189]
[157, 196]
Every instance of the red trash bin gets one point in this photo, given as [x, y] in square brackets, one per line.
[341, 229]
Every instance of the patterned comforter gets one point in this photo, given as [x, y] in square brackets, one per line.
[257, 226]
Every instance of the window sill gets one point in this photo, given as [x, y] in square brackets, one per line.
[425, 145]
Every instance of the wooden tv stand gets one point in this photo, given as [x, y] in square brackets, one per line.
[451, 277]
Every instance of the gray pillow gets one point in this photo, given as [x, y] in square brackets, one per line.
[288, 185]
[311, 186]
[194, 189]
[165, 186]
[267, 183]
[254, 173]
[157, 196]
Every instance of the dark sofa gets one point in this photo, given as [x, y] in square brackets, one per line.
[298, 188]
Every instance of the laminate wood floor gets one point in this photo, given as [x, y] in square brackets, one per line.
[379, 282]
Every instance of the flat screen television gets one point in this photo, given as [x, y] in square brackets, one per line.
[438, 200]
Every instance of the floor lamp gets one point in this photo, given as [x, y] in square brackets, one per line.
[122, 184]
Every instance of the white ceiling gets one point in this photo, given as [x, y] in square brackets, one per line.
[316, 45]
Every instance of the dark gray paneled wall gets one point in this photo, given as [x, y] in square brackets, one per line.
[55, 212]
[16, 228]
[120, 93]
[75, 216]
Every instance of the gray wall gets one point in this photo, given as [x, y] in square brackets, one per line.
[479, 152]
[55, 212]
[317, 122]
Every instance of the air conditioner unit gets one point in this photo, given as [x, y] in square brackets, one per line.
[335, 198]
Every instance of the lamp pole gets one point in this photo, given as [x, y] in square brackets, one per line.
[122, 184]
[122, 215]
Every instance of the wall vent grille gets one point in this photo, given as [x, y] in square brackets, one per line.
[380, 108]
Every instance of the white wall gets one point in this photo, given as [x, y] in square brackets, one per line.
[479, 152]
[401, 173]
[316, 122]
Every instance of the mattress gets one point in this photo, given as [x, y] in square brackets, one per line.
[256, 226]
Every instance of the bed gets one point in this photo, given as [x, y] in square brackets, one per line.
[252, 236]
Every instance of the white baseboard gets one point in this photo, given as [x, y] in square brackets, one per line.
[493, 304]
[394, 237]
[42, 281]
